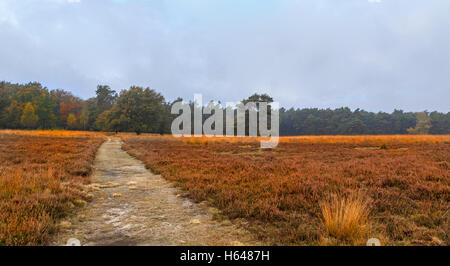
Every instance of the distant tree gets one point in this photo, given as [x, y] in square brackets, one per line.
[6, 91]
[84, 119]
[257, 98]
[167, 117]
[423, 124]
[106, 97]
[72, 122]
[440, 123]
[103, 122]
[139, 110]
[104, 101]
[91, 106]
[13, 115]
[68, 108]
[29, 119]
[45, 110]
[66, 104]
[355, 127]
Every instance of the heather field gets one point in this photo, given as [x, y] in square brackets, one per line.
[41, 173]
[328, 190]
[310, 190]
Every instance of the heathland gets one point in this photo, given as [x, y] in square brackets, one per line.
[333, 190]
[41, 173]
[314, 190]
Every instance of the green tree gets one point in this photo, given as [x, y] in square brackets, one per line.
[29, 119]
[440, 123]
[167, 118]
[106, 97]
[355, 127]
[6, 90]
[257, 99]
[104, 100]
[139, 110]
[45, 110]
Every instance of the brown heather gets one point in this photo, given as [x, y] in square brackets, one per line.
[40, 176]
[283, 194]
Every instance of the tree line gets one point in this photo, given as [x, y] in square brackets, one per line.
[138, 109]
[343, 121]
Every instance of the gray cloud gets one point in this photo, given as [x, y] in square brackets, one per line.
[317, 53]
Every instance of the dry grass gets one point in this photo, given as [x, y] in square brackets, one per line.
[376, 140]
[346, 217]
[360, 140]
[40, 177]
[278, 191]
[53, 133]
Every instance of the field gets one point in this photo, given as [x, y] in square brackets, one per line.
[40, 177]
[327, 190]
[332, 190]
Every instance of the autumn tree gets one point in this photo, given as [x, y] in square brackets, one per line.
[84, 119]
[66, 104]
[29, 119]
[72, 121]
[12, 115]
[103, 121]
[423, 124]
[18, 96]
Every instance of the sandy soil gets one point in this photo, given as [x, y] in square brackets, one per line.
[132, 206]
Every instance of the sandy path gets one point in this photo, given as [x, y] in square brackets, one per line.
[132, 206]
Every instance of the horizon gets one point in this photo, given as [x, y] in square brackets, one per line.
[373, 55]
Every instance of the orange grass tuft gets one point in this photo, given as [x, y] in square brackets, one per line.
[346, 218]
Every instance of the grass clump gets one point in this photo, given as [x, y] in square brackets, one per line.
[346, 217]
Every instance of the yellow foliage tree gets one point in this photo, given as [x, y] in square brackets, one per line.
[29, 118]
[423, 124]
[72, 121]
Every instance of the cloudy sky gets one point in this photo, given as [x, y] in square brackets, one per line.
[371, 54]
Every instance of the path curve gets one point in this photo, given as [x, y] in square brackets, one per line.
[132, 206]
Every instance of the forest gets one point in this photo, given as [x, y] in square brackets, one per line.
[143, 110]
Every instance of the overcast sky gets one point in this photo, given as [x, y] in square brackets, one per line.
[372, 54]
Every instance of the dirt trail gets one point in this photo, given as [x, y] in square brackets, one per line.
[132, 206]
